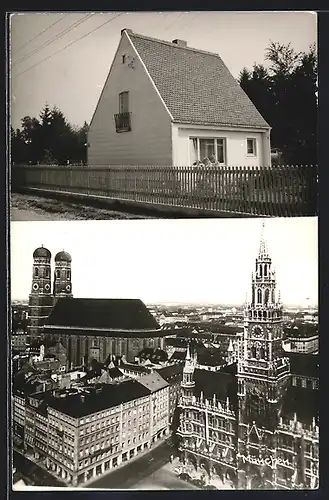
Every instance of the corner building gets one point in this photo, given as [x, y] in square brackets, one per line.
[249, 423]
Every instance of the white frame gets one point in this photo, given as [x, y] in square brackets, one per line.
[215, 139]
[254, 141]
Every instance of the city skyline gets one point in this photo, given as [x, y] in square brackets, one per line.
[165, 261]
[63, 81]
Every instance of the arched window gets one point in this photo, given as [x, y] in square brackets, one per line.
[265, 315]
[260, 270]
[68, 274]
[253, 352]
[265, 270]
[259, 296]
[36, 272]
[57, 273]
[262, 353]
[267, 296]
[273, 296]
[253, 295]
[47, 272]
[250, 314]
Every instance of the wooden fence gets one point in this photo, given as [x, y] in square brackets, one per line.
[268, 191]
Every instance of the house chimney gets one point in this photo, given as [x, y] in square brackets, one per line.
[127, 30]
[180, 43]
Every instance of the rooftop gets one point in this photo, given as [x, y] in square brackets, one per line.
[153, 381]
[195, 85]
[301, 401]
[304, 364]
[174, 370]
[98, 398]
[220, 383]
[102, 314]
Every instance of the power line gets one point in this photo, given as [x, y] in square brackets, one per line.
[54, 38]
[41, 32]
[178, 15]
[74, 41]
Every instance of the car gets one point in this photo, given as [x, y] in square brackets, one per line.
[184, 476]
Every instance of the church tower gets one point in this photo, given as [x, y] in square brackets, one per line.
[62, 275]
[40, 299]
[263, 370]
[188, 384]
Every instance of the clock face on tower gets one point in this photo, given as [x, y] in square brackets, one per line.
[257, 331]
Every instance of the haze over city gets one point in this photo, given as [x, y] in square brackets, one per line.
[183, 261]
[43, 70]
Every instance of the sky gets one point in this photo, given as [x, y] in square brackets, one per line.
[73, 78]
[174, 260]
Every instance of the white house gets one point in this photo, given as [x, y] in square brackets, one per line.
[164, 103]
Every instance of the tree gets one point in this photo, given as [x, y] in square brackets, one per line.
[285, 94]
[49, 139]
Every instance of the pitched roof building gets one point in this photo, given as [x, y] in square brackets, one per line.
[176, 105]
[99, 328]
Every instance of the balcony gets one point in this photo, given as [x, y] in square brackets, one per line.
[122, 122]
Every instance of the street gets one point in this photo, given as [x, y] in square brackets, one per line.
[32, 473]
[146, 472]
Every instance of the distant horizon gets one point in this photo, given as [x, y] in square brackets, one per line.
[182, 303]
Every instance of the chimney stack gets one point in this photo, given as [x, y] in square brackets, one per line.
[180, 43]
[127, 30]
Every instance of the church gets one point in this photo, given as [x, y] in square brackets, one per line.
[253, 424]
[87, 328]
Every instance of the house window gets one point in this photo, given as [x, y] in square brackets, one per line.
[123, 102]
[122, 119]
[251, 147]
[212, 148]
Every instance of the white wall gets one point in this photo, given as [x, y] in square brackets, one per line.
[236, 145]
[149, 141]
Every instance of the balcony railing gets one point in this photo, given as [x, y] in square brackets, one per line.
[122, 122]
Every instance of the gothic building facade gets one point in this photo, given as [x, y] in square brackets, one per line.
[249, 423]
[43, 296]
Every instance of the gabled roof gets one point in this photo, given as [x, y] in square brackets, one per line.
[108, 314]
[195, 85]
[171, 371]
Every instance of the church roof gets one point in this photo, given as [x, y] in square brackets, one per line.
[195, 85]
[41, 252]
[63, 257]
[102, 314]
